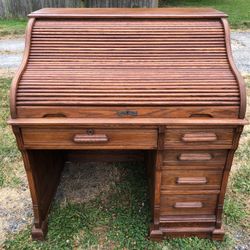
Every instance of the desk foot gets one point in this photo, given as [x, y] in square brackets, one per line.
[218, 234]
[155, 234]
[40, 233]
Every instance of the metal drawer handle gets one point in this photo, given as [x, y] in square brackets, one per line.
[191, 180]
[90, 138]
[195, 157]
[188, 205]
[199, 137]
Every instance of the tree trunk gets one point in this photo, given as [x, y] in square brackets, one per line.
[122, 3]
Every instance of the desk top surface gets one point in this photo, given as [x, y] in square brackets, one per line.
[127, 13]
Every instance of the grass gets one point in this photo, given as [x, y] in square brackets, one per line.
[12, 27]
[10, 165]
[238, 10]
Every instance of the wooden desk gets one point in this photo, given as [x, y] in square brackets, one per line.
[158, 81]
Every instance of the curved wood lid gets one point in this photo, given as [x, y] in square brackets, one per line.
[128, 62]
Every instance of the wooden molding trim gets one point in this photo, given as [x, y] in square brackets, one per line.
[128, 13]
[21, 69]
[124, 121]
[234, 69]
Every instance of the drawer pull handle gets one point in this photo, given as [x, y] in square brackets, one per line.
[188, 205]
[90, 138]
[199, 137]
[195, 157]
[54, 115]
[201, 116]
[191, 180]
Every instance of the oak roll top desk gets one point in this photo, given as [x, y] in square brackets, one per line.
[158, 82]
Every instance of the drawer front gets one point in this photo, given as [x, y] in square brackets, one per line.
[198, 138]
[188, 204]
[40, 138]
[191, 180]
[194, 159]
[142, 112]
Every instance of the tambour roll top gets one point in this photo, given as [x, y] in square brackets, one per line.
[171, 62]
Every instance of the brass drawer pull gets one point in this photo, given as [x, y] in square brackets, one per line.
[188, 205]
[90, 138]
[191, 180]
[195, 157]
[199, 137]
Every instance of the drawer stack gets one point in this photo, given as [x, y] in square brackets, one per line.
[192, 171]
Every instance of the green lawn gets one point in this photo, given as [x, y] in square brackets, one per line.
[119, 219]
[238, 10]
[12, 27]
[10, 166]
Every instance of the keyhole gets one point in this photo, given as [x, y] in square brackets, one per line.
[90, 131]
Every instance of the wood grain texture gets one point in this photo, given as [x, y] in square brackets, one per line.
[125, 71]
[188, 204]
[128, 13]
[22, 67]
[69, 138]
[237, 74]
[199, 138]
[142, 112]
[194, 179]
[125, 121]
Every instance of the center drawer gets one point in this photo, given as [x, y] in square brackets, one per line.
[88, 138]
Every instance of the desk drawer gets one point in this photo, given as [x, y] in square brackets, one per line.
[194, 159]
[194, 204]
[198, 138]
[45, 138]
[177, 180]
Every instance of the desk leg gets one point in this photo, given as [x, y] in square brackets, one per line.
[43, 169]
[155, 232]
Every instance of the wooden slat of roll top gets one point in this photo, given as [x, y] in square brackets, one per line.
[127, 62]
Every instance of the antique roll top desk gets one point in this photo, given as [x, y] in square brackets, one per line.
[158, 82]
